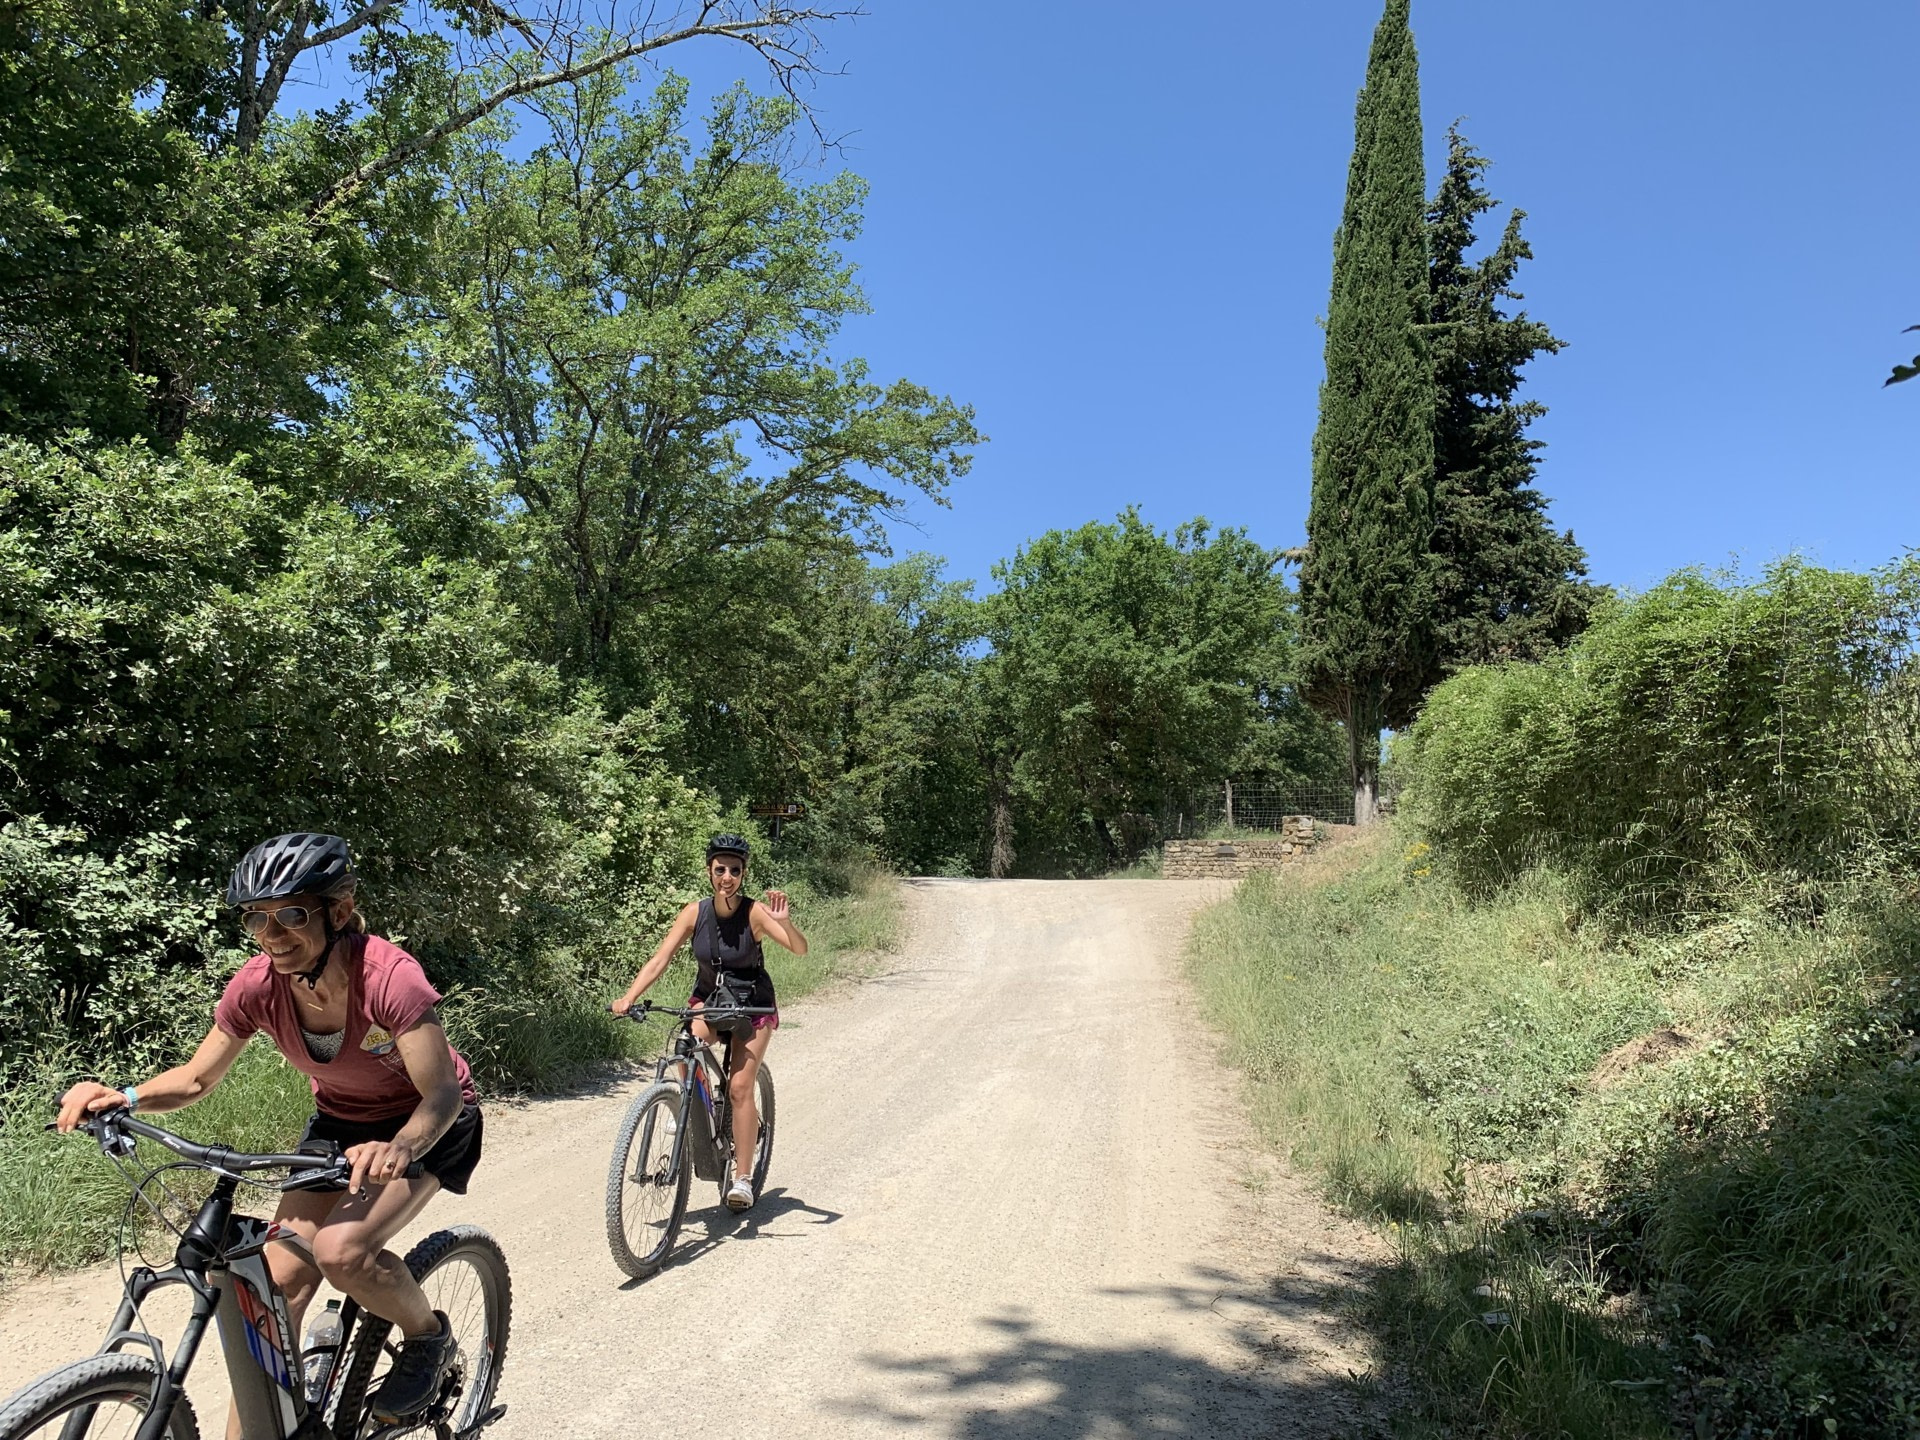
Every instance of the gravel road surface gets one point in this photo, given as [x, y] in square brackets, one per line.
[1013, 1197]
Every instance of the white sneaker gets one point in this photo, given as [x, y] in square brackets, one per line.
[740, 1195]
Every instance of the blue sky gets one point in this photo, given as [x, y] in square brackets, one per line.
[1108, 226]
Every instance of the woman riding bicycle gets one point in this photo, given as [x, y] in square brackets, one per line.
[356, 1015]
[726, 932]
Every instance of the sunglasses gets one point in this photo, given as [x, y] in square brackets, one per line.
[729, 869]
[287, 917]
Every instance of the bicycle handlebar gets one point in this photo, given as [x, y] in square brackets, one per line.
[696, 1012]
[106, 1128]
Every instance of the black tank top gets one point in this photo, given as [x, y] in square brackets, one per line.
[727, 942]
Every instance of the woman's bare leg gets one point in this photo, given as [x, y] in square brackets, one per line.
[350, 1246]
[747, 1059]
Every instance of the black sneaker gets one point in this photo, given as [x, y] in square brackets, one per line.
[414, 1381]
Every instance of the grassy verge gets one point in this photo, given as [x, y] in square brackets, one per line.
[1637, 1180]
[61, 1202]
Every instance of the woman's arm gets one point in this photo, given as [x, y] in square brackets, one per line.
[678, 934]
[169, 1090]
[772, 919]
[429, 1061]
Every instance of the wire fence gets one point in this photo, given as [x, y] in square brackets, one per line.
[1255, 804]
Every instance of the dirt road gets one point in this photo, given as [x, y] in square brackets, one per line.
[1012, 1198]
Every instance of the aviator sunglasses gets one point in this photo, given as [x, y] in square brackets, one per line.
[289, 917]
[726, 869]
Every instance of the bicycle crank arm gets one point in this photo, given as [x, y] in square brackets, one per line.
[498, 1412]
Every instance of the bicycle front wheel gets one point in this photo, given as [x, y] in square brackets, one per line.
[647, 1181]
[103, 1398]
[465, 1276]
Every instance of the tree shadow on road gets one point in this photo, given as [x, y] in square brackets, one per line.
[1276, 1374]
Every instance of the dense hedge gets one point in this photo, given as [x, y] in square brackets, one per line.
[1699, 740]
[191, 662]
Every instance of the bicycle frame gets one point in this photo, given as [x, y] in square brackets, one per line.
[703, 1118]
[222, 1259]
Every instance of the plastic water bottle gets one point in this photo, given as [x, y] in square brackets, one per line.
[322, 1349]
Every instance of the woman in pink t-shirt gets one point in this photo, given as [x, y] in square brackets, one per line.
[356, 1015]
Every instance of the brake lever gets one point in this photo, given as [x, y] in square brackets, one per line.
[112, 1140]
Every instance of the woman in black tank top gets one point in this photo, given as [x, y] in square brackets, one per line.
[726, 932]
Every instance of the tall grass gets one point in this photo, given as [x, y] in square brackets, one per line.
[1749, 1203]
[61, 1200]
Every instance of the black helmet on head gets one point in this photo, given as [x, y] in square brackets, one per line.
[298, 864]
[728, 844]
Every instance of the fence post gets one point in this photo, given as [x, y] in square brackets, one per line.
[1229, 804]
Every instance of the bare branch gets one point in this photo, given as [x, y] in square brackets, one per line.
[359, 20]
[782, 36]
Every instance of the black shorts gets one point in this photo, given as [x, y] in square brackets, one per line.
[450, 1161]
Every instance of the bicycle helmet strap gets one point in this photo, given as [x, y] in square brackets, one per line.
[312, 977]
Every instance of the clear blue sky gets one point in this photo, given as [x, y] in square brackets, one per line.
[1108, 226]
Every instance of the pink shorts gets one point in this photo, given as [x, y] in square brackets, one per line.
[760, 1022]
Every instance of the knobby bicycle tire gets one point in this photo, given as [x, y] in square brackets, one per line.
[670, 1171]
[763, 1148]
[435, 1252]
[78, 1391]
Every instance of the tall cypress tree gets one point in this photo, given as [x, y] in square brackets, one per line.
[1506, 585]
[1364, 582]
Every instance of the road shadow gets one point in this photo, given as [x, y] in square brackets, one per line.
[714, 1224]
[1275, 1375]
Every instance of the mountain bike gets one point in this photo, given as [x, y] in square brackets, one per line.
[679, 1127]
[131, 1389]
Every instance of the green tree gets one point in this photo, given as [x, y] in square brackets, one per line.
[1132, 667]
[1365, 588]
[638, 329]
[189, 663]
[183, 255]
[1506, 586]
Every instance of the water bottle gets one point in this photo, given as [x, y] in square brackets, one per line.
[322, 1349]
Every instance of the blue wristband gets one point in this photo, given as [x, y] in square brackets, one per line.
[133, 1098]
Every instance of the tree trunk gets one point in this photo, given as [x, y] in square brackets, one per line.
[1000, 862]
[1366, 795]
[1363, 756]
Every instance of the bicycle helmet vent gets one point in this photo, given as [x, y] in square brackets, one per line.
[728, 844]
[298, 864]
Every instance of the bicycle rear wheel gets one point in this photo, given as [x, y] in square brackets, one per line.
[465, 1276]
[102, 1398]
[647, 1181]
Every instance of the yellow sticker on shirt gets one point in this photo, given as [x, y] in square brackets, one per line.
[377, 1041]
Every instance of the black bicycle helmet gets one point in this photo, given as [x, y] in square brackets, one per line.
[728, 844]
[298, 864]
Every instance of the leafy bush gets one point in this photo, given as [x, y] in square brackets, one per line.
[1699, 743]
[113, 947]
[209, 668]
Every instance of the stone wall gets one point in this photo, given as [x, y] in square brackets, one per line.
[1296, 838]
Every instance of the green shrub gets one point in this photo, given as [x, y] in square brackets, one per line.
[1699, 745]
[193, 662]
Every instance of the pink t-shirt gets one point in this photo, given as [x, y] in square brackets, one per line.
[387, 995]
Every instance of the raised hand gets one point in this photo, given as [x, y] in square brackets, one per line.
[776, 903]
